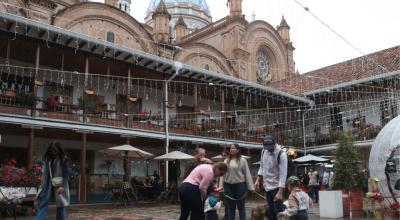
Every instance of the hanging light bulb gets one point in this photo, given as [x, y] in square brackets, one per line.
[147, 96]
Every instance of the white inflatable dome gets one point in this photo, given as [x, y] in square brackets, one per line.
[384, 161]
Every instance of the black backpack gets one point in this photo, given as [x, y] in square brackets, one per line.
[290, 166]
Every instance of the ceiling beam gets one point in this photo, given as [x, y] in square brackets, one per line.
[127, 57]
[69, 41]
[192, 75]
[42, 33]
[93, 48]
[158, 66]
[148, 63]
[167, 69]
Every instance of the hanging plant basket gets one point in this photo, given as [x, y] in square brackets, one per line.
[89, 92]
[133, 98]
[39, 82]
[171, 105]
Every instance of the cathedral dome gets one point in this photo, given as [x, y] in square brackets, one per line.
[195, 13]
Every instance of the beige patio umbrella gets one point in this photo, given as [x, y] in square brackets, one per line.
[174, 155]
[219, 157]
[126, 151]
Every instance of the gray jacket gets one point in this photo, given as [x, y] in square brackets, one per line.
[59, 169]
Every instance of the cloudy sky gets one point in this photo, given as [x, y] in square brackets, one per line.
[370, 25]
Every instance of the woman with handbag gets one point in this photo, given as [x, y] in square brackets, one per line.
[54, 184]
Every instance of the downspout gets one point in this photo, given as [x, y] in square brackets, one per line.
[178, 67]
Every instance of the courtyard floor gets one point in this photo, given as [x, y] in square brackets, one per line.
[149, 211]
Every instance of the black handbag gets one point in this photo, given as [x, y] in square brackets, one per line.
[397, 185]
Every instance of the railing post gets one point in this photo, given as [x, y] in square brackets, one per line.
[84, 96]
[37, 60]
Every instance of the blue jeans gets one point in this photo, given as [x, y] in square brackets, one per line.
[313, 192]
[211, 215]
[236, 191]
[274, 207]
[301, 215]
[42, 213]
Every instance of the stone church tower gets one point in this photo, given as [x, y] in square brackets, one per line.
[161, 19]
[235, 7]
[180, 29]
[283, 30]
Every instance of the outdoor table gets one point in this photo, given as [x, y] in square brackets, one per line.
[16, 197]
[146, 190]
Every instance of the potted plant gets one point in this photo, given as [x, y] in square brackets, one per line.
[26, 100]
[348, 175]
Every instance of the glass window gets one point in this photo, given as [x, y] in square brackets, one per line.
[110, 37]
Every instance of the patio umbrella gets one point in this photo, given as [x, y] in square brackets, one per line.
[219, 157]
[126, 151]
[174, 155]
[311, 159]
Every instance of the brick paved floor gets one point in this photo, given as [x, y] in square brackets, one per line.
[141, 212]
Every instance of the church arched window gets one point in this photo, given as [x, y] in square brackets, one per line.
[110, 37]
[263, 66]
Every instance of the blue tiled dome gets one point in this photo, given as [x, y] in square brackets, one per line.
[201, 3]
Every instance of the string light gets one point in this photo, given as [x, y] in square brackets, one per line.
[359, 92]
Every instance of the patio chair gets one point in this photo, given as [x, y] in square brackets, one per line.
[170, 195]
[124, 194]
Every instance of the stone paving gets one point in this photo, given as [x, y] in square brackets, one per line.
[149, 211]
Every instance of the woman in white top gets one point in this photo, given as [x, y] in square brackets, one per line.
[236, 182]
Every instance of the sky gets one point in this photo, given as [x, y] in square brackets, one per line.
[370, 25]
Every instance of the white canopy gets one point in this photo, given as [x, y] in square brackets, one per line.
[175, 155]
[383, 160]
[126, 151]
[309, 158]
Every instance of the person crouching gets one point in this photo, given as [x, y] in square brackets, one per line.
[299, 201]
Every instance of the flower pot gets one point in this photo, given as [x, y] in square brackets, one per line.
[395, 214]
[356, 197]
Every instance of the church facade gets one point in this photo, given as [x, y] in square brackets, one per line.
[91, 76]
[253, 51]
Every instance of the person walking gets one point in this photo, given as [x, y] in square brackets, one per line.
[193, 190]
[236, 182]
[199, 155]
[326, 179]
[272, 175]
[54, 183]
[313, 184]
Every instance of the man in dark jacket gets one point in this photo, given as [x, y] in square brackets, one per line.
[200, 153]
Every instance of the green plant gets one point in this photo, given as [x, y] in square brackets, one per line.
[347, 172]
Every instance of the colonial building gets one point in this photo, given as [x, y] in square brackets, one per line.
[91, 76]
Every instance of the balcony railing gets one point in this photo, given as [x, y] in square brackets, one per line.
[185, 123]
